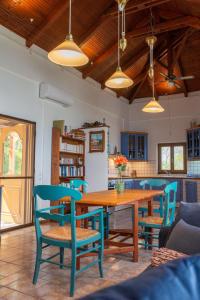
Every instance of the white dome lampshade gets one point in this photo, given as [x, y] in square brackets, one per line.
[68, 54]
[153, 107]
[119, 80]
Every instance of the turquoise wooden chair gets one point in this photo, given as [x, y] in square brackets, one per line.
[156, 222]
[78, 184]
[154, 184]
[82, 184]
[66, 236]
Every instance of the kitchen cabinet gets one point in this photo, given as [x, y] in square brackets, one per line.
[193, 143]
[134, 146]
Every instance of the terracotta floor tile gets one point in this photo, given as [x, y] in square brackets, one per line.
[17, 260]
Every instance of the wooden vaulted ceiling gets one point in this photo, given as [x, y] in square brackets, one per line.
[94, 26]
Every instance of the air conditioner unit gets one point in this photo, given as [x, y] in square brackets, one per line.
[53, 94]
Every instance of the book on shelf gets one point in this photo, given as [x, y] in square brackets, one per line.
[70, 171]
[71, 161]
[65, 147]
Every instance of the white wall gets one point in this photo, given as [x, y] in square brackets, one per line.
[21, 71]
[169, 126]
[96, 164]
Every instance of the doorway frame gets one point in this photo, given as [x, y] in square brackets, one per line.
[23, 177]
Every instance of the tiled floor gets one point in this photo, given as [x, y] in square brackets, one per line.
[17, 255]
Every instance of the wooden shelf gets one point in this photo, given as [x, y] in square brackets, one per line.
[76, 160]
[72, 165]
[73, 140]
[70, 177]
[71, 153]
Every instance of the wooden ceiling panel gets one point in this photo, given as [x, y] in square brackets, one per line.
[94, 27]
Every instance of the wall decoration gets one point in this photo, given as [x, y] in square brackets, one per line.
[97, 141]
[94, 124]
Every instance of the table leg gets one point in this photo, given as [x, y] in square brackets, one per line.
[150, 213]
[78, 224]
[135, 232]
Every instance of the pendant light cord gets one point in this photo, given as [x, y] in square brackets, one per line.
[70, 17]
[118, 50]
[153, 88]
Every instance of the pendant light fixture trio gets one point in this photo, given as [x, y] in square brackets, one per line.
[68, 53]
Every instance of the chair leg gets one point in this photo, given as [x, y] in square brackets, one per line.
[73, 274]
[61, 257]
[37, 262]
[100, 258]
[107, 223]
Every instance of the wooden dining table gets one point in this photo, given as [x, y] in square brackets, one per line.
[111, 198]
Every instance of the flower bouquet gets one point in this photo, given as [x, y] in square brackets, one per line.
[120, 162]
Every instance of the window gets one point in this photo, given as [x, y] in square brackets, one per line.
[172, 158]
[12, 155]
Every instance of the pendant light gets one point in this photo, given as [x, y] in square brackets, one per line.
[119, 80]
[68, 53]
[153, 106]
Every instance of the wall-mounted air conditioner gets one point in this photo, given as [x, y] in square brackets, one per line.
[53, 94]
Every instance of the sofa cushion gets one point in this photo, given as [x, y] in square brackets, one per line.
[164, 255]
[184, 238]
[189, 212]
[178, 279]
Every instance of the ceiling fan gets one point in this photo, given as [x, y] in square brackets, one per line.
[171, 79]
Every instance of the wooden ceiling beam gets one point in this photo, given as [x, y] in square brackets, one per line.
[185, 87]
[137, 90]
[160, 50]
[137, 6]
[169, 25]
[100, 21]
[54, 15]
[143, 31]
[181, 46]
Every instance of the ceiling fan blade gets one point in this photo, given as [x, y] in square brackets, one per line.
[184, 77]
[177, 85]
[164, 75]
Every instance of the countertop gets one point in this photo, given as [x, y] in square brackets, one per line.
[165, 177]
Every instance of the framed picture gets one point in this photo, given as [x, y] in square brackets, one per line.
[97, 141]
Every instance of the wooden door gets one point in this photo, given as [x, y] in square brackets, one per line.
[16, 174]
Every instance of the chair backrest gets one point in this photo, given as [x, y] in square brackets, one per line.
[78, 184]
[170, 203]
[54, 193]
[153, 183]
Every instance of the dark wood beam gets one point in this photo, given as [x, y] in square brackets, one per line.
[145, 30]
[181, 46]
[99, 22]
[54, 15]
[137, 90]
[158, 61]
[137, 6]
[184, 83]
[169, 25]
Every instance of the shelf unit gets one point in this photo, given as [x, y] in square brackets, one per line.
[66, 165]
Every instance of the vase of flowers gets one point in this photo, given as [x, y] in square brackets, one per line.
[120, 164]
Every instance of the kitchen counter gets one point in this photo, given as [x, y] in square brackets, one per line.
[159, 176]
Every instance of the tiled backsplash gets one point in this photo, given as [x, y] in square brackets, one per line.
[149, 168]
[193, 167]
[142, 168]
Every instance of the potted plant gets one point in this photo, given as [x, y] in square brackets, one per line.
[120, 162]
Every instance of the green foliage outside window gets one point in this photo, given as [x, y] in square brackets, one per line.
[12, 159]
